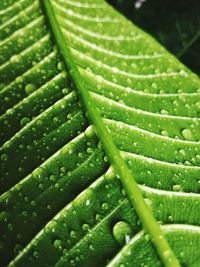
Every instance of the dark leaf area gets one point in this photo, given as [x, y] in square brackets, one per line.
[175, 24]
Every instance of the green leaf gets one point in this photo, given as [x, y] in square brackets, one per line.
[174, 24]
[149, 107]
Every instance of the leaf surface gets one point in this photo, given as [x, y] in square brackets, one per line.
[149, 103]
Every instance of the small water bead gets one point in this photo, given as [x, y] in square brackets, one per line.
[80, 155]
[177, 187]
[52, 178]
[105, 159]
[98, 217]
[164, 133]
[17, 249]
[63, 170]
[69, 116]
[49, 207]
[195, 120]
[51, 226]
[55, 119]
[182, 254]
[60, 66]
[10, 226]
[57, 244]
[30, 88]
[34, 214]
[89, 132]
[73, 234]
[91, 247]
[150, 160]
[122, 231]
[89, 150]
[20, 169]
[4, 157]
[24, 121]
[15, 58]
[64, 74]
[69, 173]
[41, 186]
[104, 206]
[164, 112]
[6, 99]
[182, 152]
[35, 254]
[183, 73]
[33, 203]
[148, 201]
[87, 203]
[147, 237]
[187, 134]
[85, 227]
[170, 218]
[168, 255]
[65, 91]
[72, 263]
[4, 216]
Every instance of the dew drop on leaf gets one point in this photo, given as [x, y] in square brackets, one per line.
[24, 121]
[182, 152]
[122, 232]
[17, 249]
[85, 227]
[104, 206]
[187, 134]
[57, 244]
[4, 157]
[30, 88]
[177, 187]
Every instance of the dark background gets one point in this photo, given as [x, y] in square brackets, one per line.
[174, 23]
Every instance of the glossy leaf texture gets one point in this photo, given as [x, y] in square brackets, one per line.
[175, 24]
[61, 202]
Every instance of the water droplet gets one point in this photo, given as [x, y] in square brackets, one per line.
[164, 112]
[104, 206]
[80, 155]
[122, 232]
[60, 66]
[87, 203]
[69, 116]
[24, 121]
[187, 134]
[182, 152]
[57, 244]
[17, 249]
[15, 58]
[147, 237]
[89, 150]
[4, 216]
[177, 187]
[89, 132]
[85, 227]
[167, 254]
[164, 133]
[73, 234]
[30, 88]
[91, 247]
[65, 91]
[10, 226]
[4, 157]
